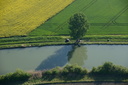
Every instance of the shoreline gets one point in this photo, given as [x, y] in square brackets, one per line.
[39, 82]
[28, 45]
[39, 41]
[83, 82]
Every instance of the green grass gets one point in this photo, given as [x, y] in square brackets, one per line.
[108, 20]
[14, 42]
[105, 18]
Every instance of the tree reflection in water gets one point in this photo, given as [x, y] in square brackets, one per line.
[77, 55]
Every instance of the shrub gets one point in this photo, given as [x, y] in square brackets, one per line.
[19, 75]
[55, 72]
[73, 70]
[109, 68]
[47, 73]
[69, 71]
[5, 78]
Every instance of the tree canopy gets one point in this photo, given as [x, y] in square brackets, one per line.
[78, 25]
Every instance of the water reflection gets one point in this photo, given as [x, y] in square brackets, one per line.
[47, 57]
[58, 59]
[77, 55]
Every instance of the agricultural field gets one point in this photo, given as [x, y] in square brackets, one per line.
[19, 17]
[106, 17]
[45, 22]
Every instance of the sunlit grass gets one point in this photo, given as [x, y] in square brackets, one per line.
[105, 18]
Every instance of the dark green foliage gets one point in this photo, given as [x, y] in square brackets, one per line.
[68, 72]
[109, 69]
[78, 25]
[73, 70]
[53, 72]
[50, 74]
[19, 75]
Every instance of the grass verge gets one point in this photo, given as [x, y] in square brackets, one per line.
[30, 41]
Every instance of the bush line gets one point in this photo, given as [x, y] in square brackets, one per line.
[70, 72]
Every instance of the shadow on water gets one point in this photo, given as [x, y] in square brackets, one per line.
[77, 55]
[67, 54]
[58, 59]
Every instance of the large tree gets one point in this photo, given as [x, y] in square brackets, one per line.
[78, 25]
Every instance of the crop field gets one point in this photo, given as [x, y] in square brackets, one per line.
[106, 17]
[19, 17]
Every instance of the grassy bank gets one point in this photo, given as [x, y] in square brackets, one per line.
[30, 41]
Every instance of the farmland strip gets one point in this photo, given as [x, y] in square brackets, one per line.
[115, 17]
[85, 8]
[22, 16]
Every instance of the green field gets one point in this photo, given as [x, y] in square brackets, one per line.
[106, 17]
[108, 20]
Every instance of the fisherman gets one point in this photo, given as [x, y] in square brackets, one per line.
[77, 42]
[67, 40]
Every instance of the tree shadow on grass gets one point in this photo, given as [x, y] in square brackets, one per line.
[58, 59]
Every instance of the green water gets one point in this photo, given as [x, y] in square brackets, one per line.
[47, 57]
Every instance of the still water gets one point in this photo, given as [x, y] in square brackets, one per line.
[47, 57]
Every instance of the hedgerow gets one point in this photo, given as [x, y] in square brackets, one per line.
[109, 69]
[19, 75]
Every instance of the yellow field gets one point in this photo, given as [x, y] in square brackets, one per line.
[19, 17]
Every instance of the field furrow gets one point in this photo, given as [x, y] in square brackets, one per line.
[113, 20]
[19, 17]
[110, 14]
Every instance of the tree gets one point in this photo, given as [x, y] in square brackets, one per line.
[78, 25]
